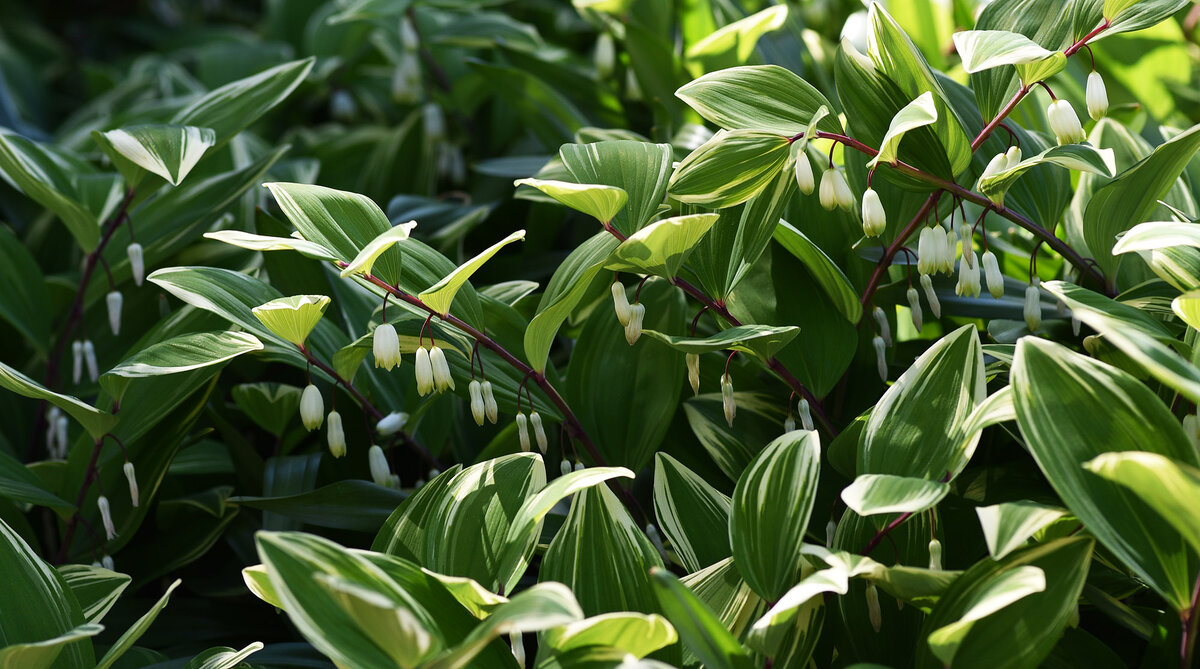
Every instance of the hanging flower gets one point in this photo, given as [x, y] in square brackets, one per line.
[477, 408]
[880, 357]
[968, 276]
[89, 357]
[424, 372]
[828, 191]
[335, 436]
[489, 402]
[1013, 156]
[538, 432]
[131, 477]
[114, 300]
[633, 330]
[991, 270]
[77, 354]
[804, 174]
[441, 369]
[110, 530]
[312, 408]
[391, 423]
[935, 554]
[137, 262]
[729, 404]
[805, 412]
[842, 192]
[931, 295]
[1033, 305]
[381, 472]
[874, 218]
[523, 431]
[874, 614]
[1064, 123]
[621, 303]
[914, 307]
[385, 345]
[1096, 96]
[881, 321]
[693, 369]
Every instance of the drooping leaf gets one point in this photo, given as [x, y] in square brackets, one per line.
[96, 588]
[1169, 487]
[1007, 526]
[232, 107]
[179, 354]
[986, 49]
[292, 318]
[661, 247]
[1077, 157]
[919, 113]
[873, 494]
[365, 260]
[641, 169]
[600, 202]
[96, 422]
[761, 340]
[169, 151]
[439, 296]
[248, 240]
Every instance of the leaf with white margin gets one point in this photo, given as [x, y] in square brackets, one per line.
[873, 494]
[1078, 157]
[1007, 526]
[365, 260]
[1006, 588]
[170, 151]
[985, 49]
[253, 242]
[439, 296]
[598, 201]
[916, 114]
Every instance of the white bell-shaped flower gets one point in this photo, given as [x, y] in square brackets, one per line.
[564, 467]
[968, 277]
[830, 532]
[728, 402]
[478, 411]
[539, 432]
[945, 243]
[880, 357]
[410, 41]
[424, 372]
[391, 423]
[996, 165]
[693, 370]
[312, 408]
[406, 80]
[1096, 96]
[914, 307]
[1033, 305]
[804, 174]
[874, 218]
[881, 321]
[633, 330]
[107, 562]
[523, 431]
[1014, 156]
[489, 402]
[114, 300]
[1075, 323]
[991, 272]
[931, 295]
[434, 121]
[77, 357]
[441, 369]
[1064, 123]
[335, 436]
[137, 262]
[926, 253]
[842, 192]
[828, 190]
[385, 344]
[89, 358]
[51, 418]
[620, 303]
[131, 477]
[579, 466]
[110, 530]
[381, 472]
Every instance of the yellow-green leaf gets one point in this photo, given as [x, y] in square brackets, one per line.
[596, 200]
[366, 258]
[439, 296]
[661, 247]
[292, 317]
[916, 114]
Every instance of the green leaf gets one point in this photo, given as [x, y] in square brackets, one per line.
[730, 168]
[526, 526]
[1169, 487]
[96, 422]
[1078, 157]
[602, 555]
[769, 630]
[1008, 526]
[439, 296]
[985, 49]
[136, 630]
[96, 588]
[699, 629]
[407, 635]
[50, 180]
[758, 97]
[20, 484]
[1130, 15]
[292, 318]
[830, 277]
[403, 534]
[661, 247]
[1169, 248]
[760, 340]
[365, 260]
[169, 151]
[600, 202]
[234, 106]
[918, 427]
[1124, 416]
[1045, 22]
[741, 36]
[349, 504]
[272, 406]
[566, 288]
[48, 610]
[692, 514]
[1187, 307]
[873, 494]
[992, 595]
[43, 654]
[641, 169]
[918, 113]
[23, 306]
[1134, 194]
[249, 240]
[179, 354]
[772, 502]
[223, 657]
[631, 633]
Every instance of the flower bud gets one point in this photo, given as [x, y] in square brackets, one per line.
[935, 554]
[914, 307]
[61, 424]
[805, 412]
[727, 400]
[517, 641]
[391, 423]
[830, 531]
[991, 270]
[385, 344]
[51, 418]
[804, 174]
[424, 372]
[926, 255]
[885, 330]
[381, 473]
[873, 611]
[441, 369]
[693, 368]
[312, 408]
[137, 262]
[1096, 96]
[620, 303]
[873, 216]
[434, 121]
[789, 423]
[114, 300]
[406, 80]
[489, 402]
[110, 530]
[1064, 123]
[89, 358]
[931, 296]
[880, 357]
[107, 562]
[77, 354]
[417, 485]
[996, 165]
[539, 433]
[1033, 306]
[1060, 308]
[605, 55]
[944, 241]
[410, 41]
[564, 467]
[131, 477]
[637, 312]
[968, 277]
[335, 436]
[1014, 156]
[828, 190]
[841, 191]
[523, 431]
[579, 466]
[477, 408]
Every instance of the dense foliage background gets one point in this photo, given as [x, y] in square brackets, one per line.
[796, 457]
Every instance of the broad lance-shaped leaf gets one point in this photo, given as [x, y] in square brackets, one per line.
[831, 277]
[566, 288]
[253, 242]
[873, 494]
[179, 354]
[641, 169]
[1008, 526]
[40, 173]
[170, 151]
[696, 624]
[1050, 384]
[1078, 157]
[730, 168]
[692, 514]
[439, 296]
[741, 36]
[292, 317]
[42, 654]
[96, 588]
[408, 636]
[758, 97]
[761, 340]
[1130, 15]
[365, 260]
[772, 503]
[661, 247]
[986, 49]
[20, 484]
[1002, 590]
[631, 633]
[1170, 248]
[598, 201]
[232, 107]
[223, 657]
[918, 113]
[1171, 488]
[96, 422]
[136, 630]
